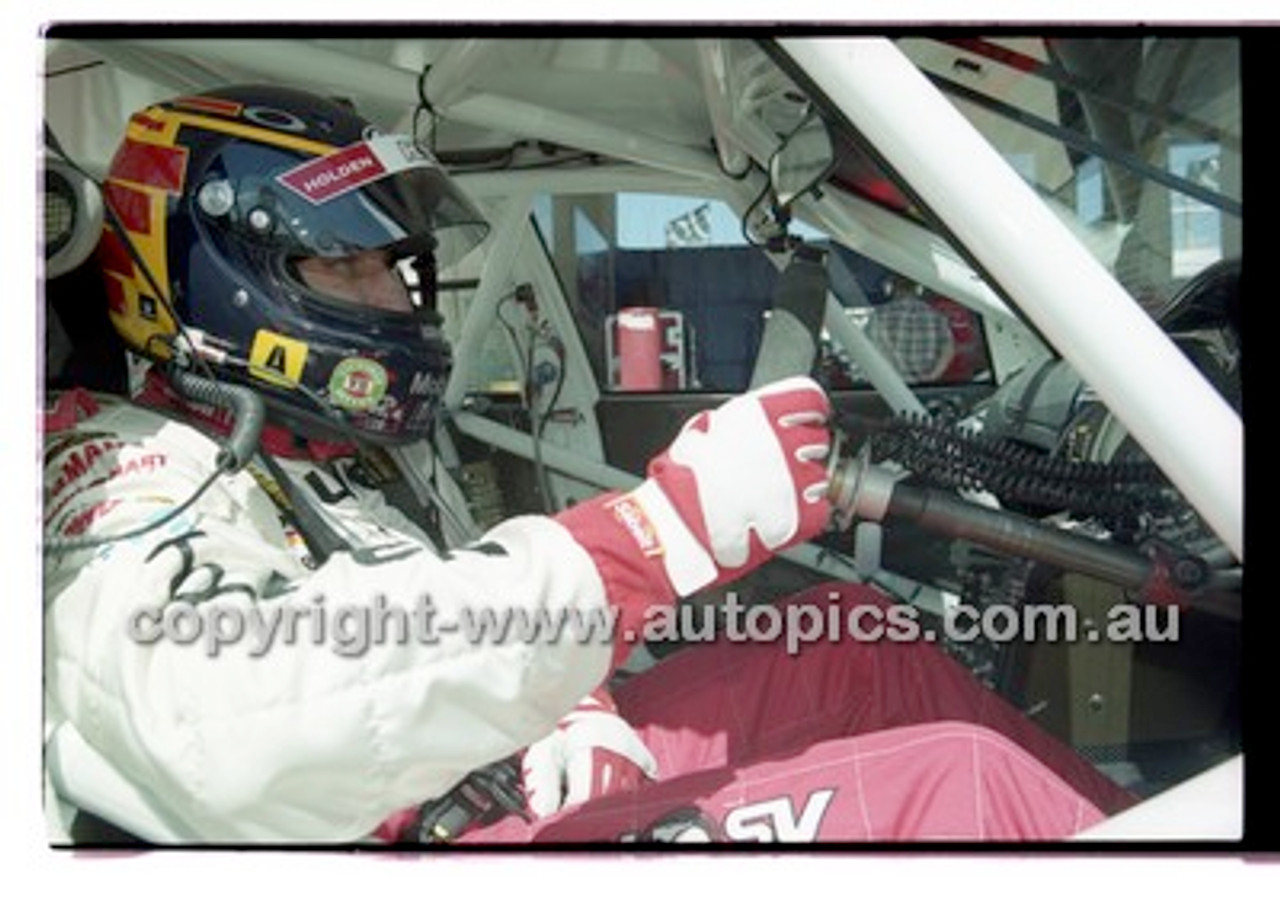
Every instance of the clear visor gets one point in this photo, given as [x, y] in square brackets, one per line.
[382, 194]
[367, 279]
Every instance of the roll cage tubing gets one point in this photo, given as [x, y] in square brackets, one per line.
[996, 223]
[1030, 258]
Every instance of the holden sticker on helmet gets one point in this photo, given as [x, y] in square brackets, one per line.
[350, 167]
[277, 358]
[357, 383]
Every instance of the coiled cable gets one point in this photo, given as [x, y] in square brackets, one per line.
[946, 455]
[234, 453]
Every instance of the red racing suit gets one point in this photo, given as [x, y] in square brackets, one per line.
[845, 741]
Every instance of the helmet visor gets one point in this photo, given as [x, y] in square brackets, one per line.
[383, 193]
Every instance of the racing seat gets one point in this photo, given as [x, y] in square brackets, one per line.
[81, 348]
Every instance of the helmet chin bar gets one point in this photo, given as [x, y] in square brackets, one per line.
[327, 426]
[322, 420]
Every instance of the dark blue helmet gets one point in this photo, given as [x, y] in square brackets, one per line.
[298, 246]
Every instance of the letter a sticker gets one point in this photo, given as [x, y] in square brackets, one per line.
[277, 358]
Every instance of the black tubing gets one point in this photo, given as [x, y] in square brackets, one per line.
[947, 456]
[1012, 533]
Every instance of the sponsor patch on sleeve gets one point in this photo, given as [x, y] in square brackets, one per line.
[628, 511]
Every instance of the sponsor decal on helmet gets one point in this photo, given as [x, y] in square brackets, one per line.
[335, 174]
[204, 104]
[421, 416]
[426, 384]
[352, 166]
[281, 120]
[386, 419]
[357, 383]
[277, 358]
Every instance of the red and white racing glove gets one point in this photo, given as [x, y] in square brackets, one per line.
[739, 483]
[591, 753]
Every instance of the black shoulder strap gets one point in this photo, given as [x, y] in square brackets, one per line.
[395, 487]
[321, 539]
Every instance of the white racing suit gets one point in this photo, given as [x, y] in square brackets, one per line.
[172, 717]
[175, 729]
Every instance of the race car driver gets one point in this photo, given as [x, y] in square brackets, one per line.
[254, 251]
